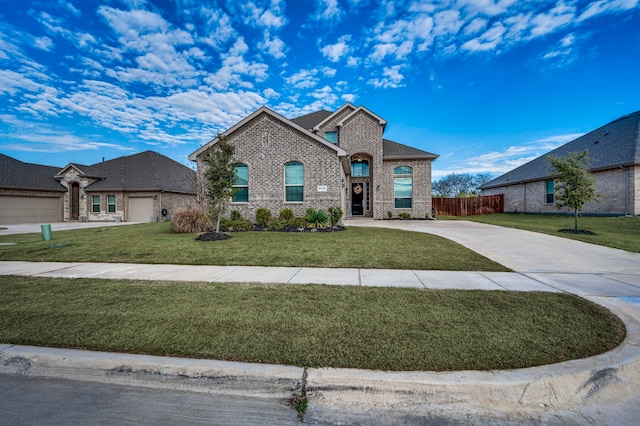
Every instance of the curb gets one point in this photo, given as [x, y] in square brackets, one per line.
[607, 378]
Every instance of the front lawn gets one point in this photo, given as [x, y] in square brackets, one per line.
[154, 243]
[616, 232]
[307, 326]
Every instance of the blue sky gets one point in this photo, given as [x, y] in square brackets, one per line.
[486, 84]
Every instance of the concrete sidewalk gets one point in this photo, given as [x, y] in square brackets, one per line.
[590, 284]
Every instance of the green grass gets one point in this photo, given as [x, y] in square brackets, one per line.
[617, 232]
[310, 326]
[154, 243]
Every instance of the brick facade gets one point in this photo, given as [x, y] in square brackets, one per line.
[616, 187]
[266, 142]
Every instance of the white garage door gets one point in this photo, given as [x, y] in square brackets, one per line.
[29, 210]
[140, 209]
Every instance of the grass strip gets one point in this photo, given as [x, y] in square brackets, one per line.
[307, 325]
[616, 232]
[154, 243]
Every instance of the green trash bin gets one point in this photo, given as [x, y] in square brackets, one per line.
[46, 232]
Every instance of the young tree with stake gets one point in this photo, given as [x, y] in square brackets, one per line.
[574, 184]
[219, 177]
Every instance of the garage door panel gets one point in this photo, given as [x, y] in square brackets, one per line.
[140, 209]
[29, 209]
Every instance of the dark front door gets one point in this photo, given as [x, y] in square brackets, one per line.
[357, 195]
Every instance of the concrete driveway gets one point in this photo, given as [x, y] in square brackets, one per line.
[522, 251]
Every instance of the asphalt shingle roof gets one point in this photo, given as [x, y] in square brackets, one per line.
[390, 149]
[613, 145]
[309, 121]
[147, 171]
[16, 174]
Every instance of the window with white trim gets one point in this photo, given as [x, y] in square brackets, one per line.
[294, 182]
[95, 204]
[241, 184]
[111, 203]
[403, 187]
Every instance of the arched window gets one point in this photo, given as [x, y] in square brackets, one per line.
[241, 184]
[403, 187]
[294, 182]
[360, 168]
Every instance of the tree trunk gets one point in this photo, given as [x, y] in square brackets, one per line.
[218, 219]
[575, 216]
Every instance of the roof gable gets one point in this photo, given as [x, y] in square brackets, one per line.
[610, 146]
[264, 110]
[331, 116]
[309, 121]
[380, 120]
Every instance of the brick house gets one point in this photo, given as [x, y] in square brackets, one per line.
[614, 151]
[325, 159]
[138, 188]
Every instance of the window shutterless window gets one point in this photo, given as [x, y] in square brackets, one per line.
[241, 184]
[294, 182]
[403, 187]
[95, 204]
[111, 203]
[331, 137]
[549, 191]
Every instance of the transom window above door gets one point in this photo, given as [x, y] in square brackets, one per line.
[360, 168]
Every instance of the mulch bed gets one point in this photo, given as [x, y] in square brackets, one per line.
[213, 236]
[217, 236]
[579, 231]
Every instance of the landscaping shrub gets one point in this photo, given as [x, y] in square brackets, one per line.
[405, 216]
[191, 220]
[286, 214]
[316, 218]
[235, 215]
[335, 214]
[263, 217]
[236, 225]
[389, 214]
[286, 225]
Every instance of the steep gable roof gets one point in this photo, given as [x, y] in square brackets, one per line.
[396, 151]
[610, 146]
[264, 110]
[146, 171]
[330, 116]
[381, 120]
[15, 174]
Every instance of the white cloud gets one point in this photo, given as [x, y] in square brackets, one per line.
[334, 52]
[272, 46]
[43, 43]
[487, 41]
[607, 6]
[271, 17]
[328, 10]
[558, 17]
[391, 78]
[348, 97]
[303, 79]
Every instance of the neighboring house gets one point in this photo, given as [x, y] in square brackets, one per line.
[614, 151]
[325, 159]
[137, 188]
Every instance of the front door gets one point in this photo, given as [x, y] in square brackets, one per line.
[357, 195]
[75, 201]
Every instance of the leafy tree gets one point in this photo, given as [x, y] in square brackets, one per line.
[219, 177]
[459, 185]
[574, 185]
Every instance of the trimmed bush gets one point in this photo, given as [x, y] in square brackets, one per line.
[263, 217]
[235, 215]
[286, 214]
[236, 225]
[191, 220]
[405, 216]
[335, 214]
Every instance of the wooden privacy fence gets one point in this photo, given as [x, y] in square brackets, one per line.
[469, 206]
